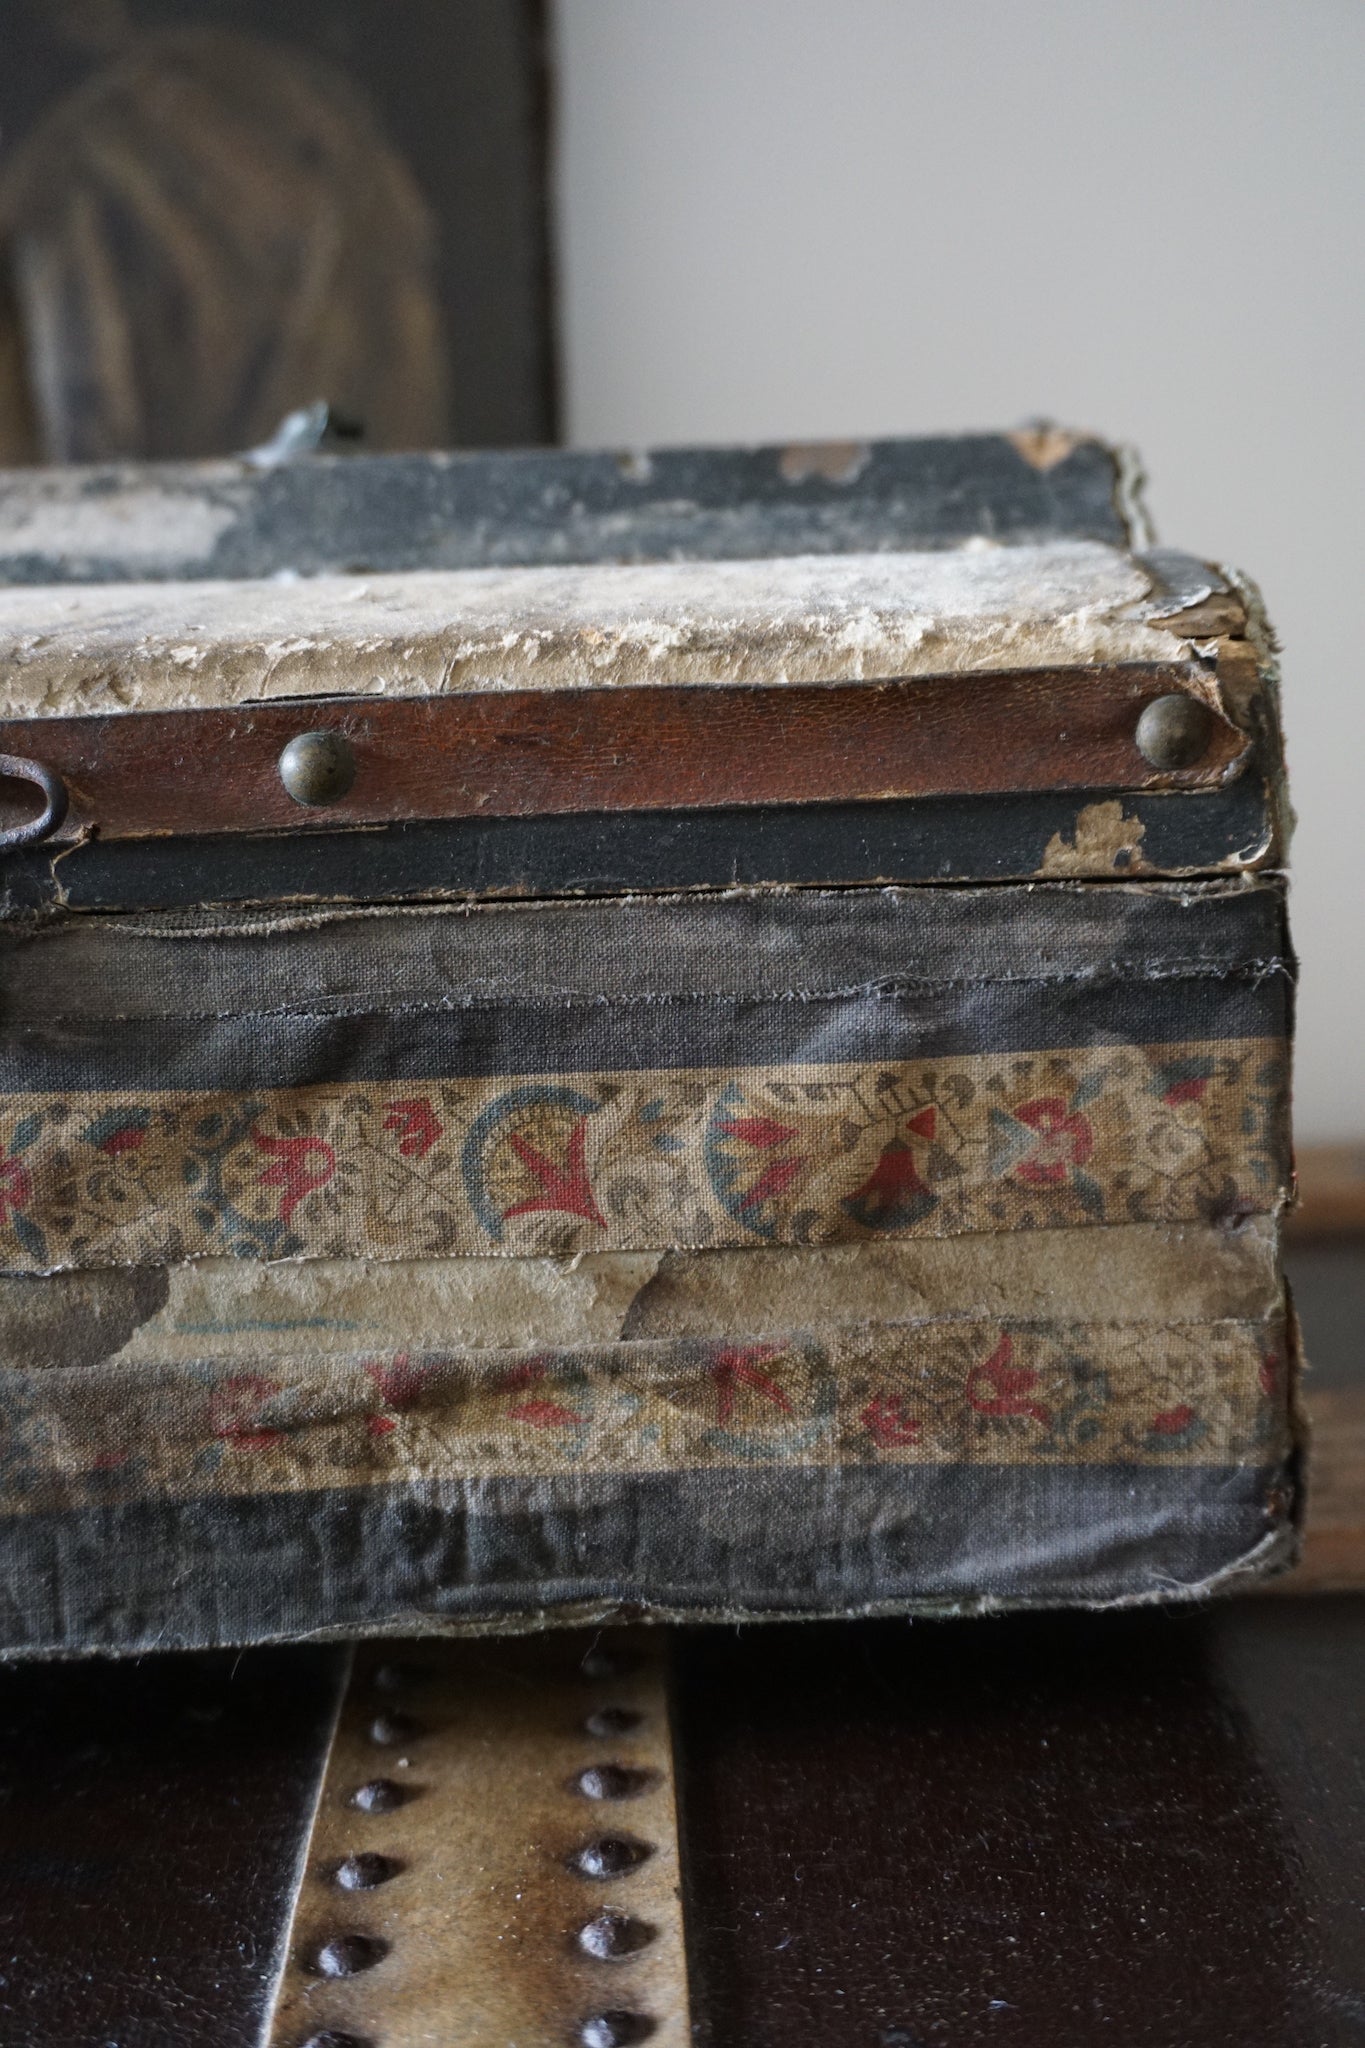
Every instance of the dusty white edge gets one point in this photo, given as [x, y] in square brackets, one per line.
[982, 607]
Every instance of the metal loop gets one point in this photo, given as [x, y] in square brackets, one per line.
[18, 768]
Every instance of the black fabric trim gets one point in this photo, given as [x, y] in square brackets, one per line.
[161, 1575]
[926, 840]
[244, 1002]
[580, 1037]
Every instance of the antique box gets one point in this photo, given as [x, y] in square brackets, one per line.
[701, 1034]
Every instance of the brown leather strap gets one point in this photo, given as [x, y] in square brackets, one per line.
[522, 753]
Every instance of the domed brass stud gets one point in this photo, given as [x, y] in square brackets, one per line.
[1174, 731]
[317, 768]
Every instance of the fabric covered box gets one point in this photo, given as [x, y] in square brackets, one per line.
[694, 1035]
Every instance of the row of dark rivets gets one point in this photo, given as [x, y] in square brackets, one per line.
[351, 1953]
[612, 1936]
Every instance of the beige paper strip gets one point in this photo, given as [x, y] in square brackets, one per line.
[512, 1774]
[242, 1310]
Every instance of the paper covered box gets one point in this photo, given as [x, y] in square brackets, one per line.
[701, 1035]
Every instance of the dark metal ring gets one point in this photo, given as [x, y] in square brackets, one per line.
[20, 769]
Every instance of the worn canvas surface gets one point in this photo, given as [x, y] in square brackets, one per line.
[830, 1196]
[779, 1251]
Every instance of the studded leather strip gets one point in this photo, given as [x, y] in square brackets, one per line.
[495, 1853]
[520, 753]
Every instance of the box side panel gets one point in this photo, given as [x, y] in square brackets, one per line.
[752, 1255]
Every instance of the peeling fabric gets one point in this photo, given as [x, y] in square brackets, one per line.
[959, 1393]
[829, 1204]
[544, 1187]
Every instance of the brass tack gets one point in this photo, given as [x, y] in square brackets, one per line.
[615, 2029]
[613, 1721]
[364, 1870]
[1173, 731]
[379, 1795]
[388, 1729]
[610, 1856]
[317, 768]
[398, 1677]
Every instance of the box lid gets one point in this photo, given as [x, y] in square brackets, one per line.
[713, 695]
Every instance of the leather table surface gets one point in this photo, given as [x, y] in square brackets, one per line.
[1138, 1829]
[151, 1818]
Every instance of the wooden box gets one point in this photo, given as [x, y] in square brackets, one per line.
[701, 1034]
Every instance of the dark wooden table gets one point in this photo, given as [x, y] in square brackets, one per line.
[1126, 1828]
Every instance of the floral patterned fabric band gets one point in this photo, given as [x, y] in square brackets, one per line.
[684, 1158]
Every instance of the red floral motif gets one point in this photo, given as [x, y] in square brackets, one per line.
[235, 1410]
[399, 1385]
[775, 1179]
[16, 1188]
[895, 1194]
[732, 1369]
[1065, 1139]
[118, 1131]
[416, 1123]
[760, 1131]
[1194, 1089]
[894, 1177]
[886, 1420]
[546, 1415]
[565, 1187]
[129, 1138]
[524, 1375]
[996, 1387]
[764, 1134]
[540, 1412]
[1173, 1421]
[301, 1165]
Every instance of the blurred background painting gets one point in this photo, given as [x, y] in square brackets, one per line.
[212, 214]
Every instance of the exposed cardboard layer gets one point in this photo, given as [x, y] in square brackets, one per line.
[806, 618]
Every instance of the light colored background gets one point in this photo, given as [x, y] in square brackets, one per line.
[790, 218]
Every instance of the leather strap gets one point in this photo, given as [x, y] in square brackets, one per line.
[541, 752]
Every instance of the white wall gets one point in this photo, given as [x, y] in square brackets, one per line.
[789, 218]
